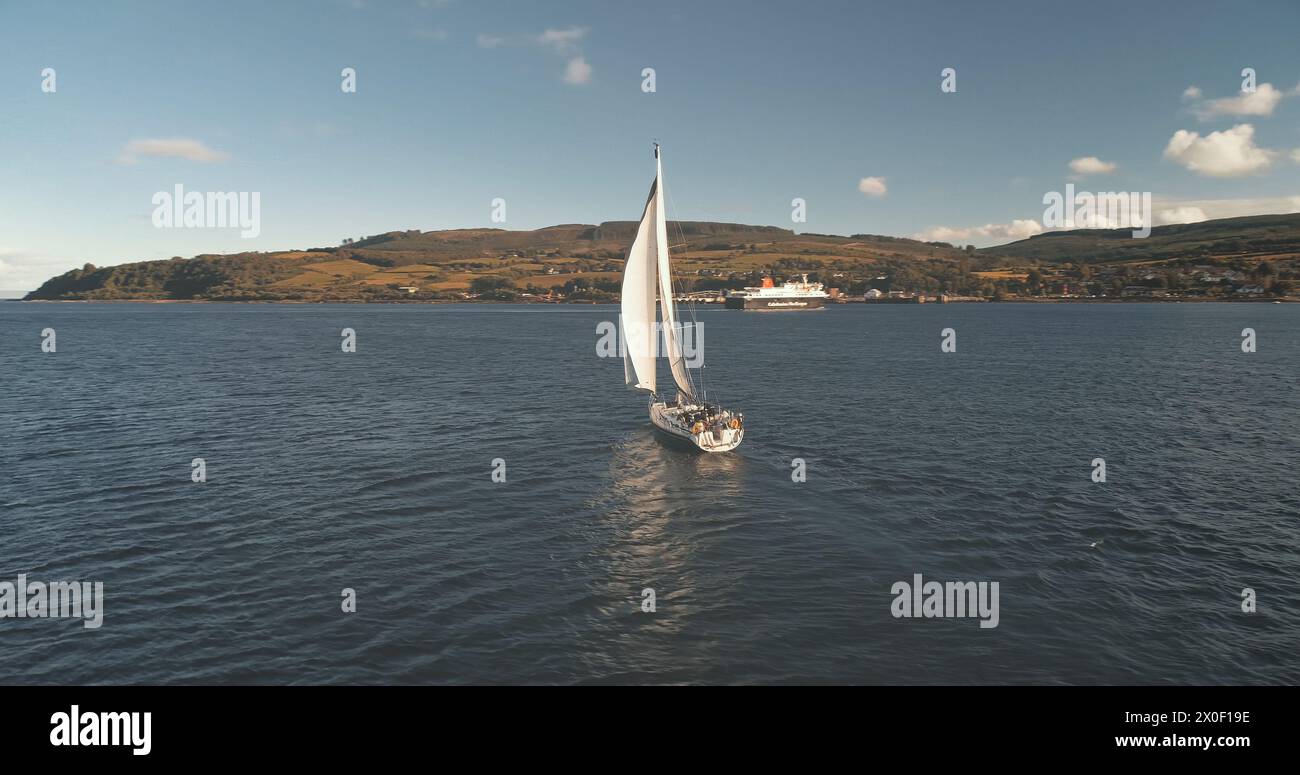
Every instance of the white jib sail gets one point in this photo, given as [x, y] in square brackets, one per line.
[637, 316]
[667, 309]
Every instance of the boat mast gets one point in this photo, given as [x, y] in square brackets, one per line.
[667, 303]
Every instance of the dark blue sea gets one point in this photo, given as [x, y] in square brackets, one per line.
[372, 471]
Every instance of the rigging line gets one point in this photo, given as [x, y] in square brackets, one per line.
[672, 292]
[697, 331]
[681, 234]
[668, 303]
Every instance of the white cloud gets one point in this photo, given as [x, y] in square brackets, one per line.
[1164, 212]
[24, 271]
[1183, 214]
[577, 71]
[557, 40]
[6, 273]
[563, 41]
[430, 33]
[1192, 93]
[1295, 156]
[1091, 165]
[1168, 211]
[1260, 102]
[176, 148]
[1231, 153]
[989, 233]
[873, 186]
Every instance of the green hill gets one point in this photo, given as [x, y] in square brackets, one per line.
[1259, 235]
[450, 263]
[584, 262]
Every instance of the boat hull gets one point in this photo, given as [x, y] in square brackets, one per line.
[775, 303]
[712, 440]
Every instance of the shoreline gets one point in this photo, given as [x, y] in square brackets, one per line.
[1021, 300]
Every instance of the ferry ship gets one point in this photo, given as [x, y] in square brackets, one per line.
[790, 295]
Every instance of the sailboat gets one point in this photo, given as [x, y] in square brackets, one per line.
[689, 417]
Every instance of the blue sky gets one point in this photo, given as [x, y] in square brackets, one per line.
[462, 101]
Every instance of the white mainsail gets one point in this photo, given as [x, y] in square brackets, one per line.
[637, 318]
[647, 258]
